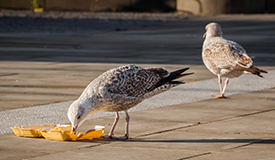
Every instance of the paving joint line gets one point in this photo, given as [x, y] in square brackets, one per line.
[39, 86]
[238, 116]
[168, 130]
[195, 156]
[10, 74]
[240, 146]
[200, 123]
[211, 152]
[247, 144]
[244, 145]
[80, 148]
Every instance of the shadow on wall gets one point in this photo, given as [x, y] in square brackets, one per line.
[210, 7]
[151, 6]
[248, 6]
[94, 5]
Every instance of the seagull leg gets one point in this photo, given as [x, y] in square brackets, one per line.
[111, 133]
[224, 87]
[126, 136]
[221, 89]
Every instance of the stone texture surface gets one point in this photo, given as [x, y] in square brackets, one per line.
[39, 68]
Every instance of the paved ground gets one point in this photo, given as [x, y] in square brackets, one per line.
[39, 68]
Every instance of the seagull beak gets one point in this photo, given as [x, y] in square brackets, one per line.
[74, 129]
[204, 35]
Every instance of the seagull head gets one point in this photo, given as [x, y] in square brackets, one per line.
[213, 30]
[77, 114]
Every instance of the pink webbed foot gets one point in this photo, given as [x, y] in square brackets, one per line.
[125, 137]
[218, 96]
[107, 136]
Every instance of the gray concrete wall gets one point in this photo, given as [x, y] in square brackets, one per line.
[192, 7]
[86, 5]
[18, 4]
[206, 7]
[95, 5]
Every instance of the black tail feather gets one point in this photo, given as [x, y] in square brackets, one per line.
[257, 71]
[173, 75]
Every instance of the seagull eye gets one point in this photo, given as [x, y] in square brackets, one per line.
[78, 117]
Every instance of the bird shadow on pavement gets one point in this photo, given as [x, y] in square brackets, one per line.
[256, 141]
[225, 140]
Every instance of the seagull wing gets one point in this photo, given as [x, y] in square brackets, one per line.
[226, 54]
[240, 56]
[131, 81]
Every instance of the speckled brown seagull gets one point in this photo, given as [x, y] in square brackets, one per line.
[225, 58]
[120, 89]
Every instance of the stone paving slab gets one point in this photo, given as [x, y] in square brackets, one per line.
[172, 42]
[194, 127]
[134, 153]
[261, 150]
[189, 92]
[262, 124]
[43, 83]
[223, 129]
